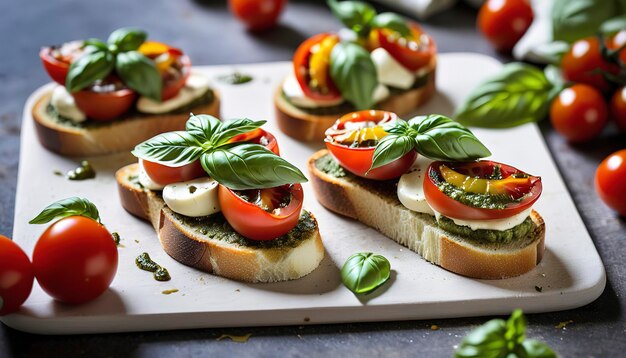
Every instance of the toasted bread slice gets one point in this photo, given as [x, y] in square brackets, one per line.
[211, 245]
[304, 126]
[109, 137]
[376, 204]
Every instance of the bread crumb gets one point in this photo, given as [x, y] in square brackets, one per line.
[237, 290]
[538, 288]
[434, 327]
[563, 324]
[238, 339]
[307, 319]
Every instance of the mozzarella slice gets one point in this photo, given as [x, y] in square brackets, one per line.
[293, 91]
[390, 72]
[145, 180]
[197, 84]
[411, 187]
[63, 102]
[197, 197]
[496, 224]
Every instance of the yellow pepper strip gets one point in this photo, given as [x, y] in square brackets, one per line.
[361, 135]
[480, 186]
[152, 48]
[319, 62]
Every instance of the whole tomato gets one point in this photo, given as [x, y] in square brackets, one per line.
[257, 14]
[618, 41]
[504, 22]
[579, 113]
[16, 276]
[618, 108]
[611, 181]
[582, 62]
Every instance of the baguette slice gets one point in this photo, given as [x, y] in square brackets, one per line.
[304, 126]
[242, 260]
[111, 137]
[376, 205]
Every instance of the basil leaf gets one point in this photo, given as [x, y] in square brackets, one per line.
[392, 21]
[234, 127]
[485, 341]
[127, 38]
[519, 94]
[354, 73]
[355, 15]
[575, 19]
[390, 148]
[139, 73]
[73, 206]
[364, 272]
[87, 69]
[613, 25]
[516, 327]
[202, 127]
[551, 52]
[95, 45]
[249, 166]
[173, 149]
[537, 349]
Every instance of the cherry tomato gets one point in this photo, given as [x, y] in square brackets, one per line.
[259, 136]
[57, 69]
[255, 223]
[75, 260]
[579, 113]
[582, 62]
[16, 276]
[358, 160]
[530, 190]
[611, 181]
[504, 22]
[173, 81]
[314, 76]
[164, 175]
[618, 40]
[171, 87]
[618, 108]
[257, 14]
[104, 106]
[413, 52]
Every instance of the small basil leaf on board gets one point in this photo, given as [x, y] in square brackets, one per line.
[575, 19]
[537, 349]
[355, 15]
[173, 149]
[364, 272]
[73, 206]
[139, 73]
[127, 38]
[249, 166]
[390, 148]
[89, 68]
[353, 72]
[392, 21]
[517, 95]
[234, 127]
[203, 127]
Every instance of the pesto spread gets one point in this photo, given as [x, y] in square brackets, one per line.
[84, 171]
[145, 263]
[330, 166]
[494, 236]
[236, 78]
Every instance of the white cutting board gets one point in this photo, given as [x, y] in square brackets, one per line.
[571, 273]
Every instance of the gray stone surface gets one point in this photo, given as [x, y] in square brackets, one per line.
[211, 36]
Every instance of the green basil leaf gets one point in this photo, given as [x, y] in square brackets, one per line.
[249, 166]
[355, 15]
[234, 127]
[485, 341]
[139, 73]
[537, 349]
[203, 127]
[516, 327]
[173, 149]
[613, 25]
[73, 206]
[551, 52]
[575, 19]
[127, 38]
[354, 73]
[392, 147]
[392, 21]
[440, 138]
[89, 68]
[95, 44]
[519, 94]
[364, 272]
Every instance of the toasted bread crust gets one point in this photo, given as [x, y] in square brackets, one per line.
[228, 260]
[117, 136]
[453, 253]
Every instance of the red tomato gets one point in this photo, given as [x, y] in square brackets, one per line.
[414, 52]
[358, 160]
[582, 62]
[57, 69]
[172, 87]
[618, 41]
[611, 181]
[504, 22]
[164, 175]
[16, 276]
[302, 70]
[618, 108]
[259, 136]
[104, 106]
[579, 113]
[252, 221]
[452, 208]
[257, 14]
[75, 260]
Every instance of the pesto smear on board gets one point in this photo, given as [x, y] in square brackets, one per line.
[145, 263]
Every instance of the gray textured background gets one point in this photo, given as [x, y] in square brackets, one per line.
[206, 31]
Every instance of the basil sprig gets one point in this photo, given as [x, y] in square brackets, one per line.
[354, 73]
[499, 338]
[238, 166]
[119, 53]
[73, 206]
[575, 19]
[434, 136]
[364, 272]
[361, 18]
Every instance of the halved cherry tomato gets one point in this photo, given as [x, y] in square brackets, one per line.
[618, 108]
[164, 175]
[171, 87]
[504, 22]
[611, 181]
[254, 222]
[259, 136]
[315, 81]
[358, 160]
[413, 52]
[579, 113]
[104, 106]
[58, 65]
[172, 84]
[257, 14]
[523, 193]
[583, 61]
[16, 276]
[75, 260]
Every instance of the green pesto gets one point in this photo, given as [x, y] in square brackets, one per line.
[134, 180]
[116, 238]
[477, 200]
[217, 228]
[491, 236]
[330, 166]
[236, 78]
[84, 171]
[145, 263]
